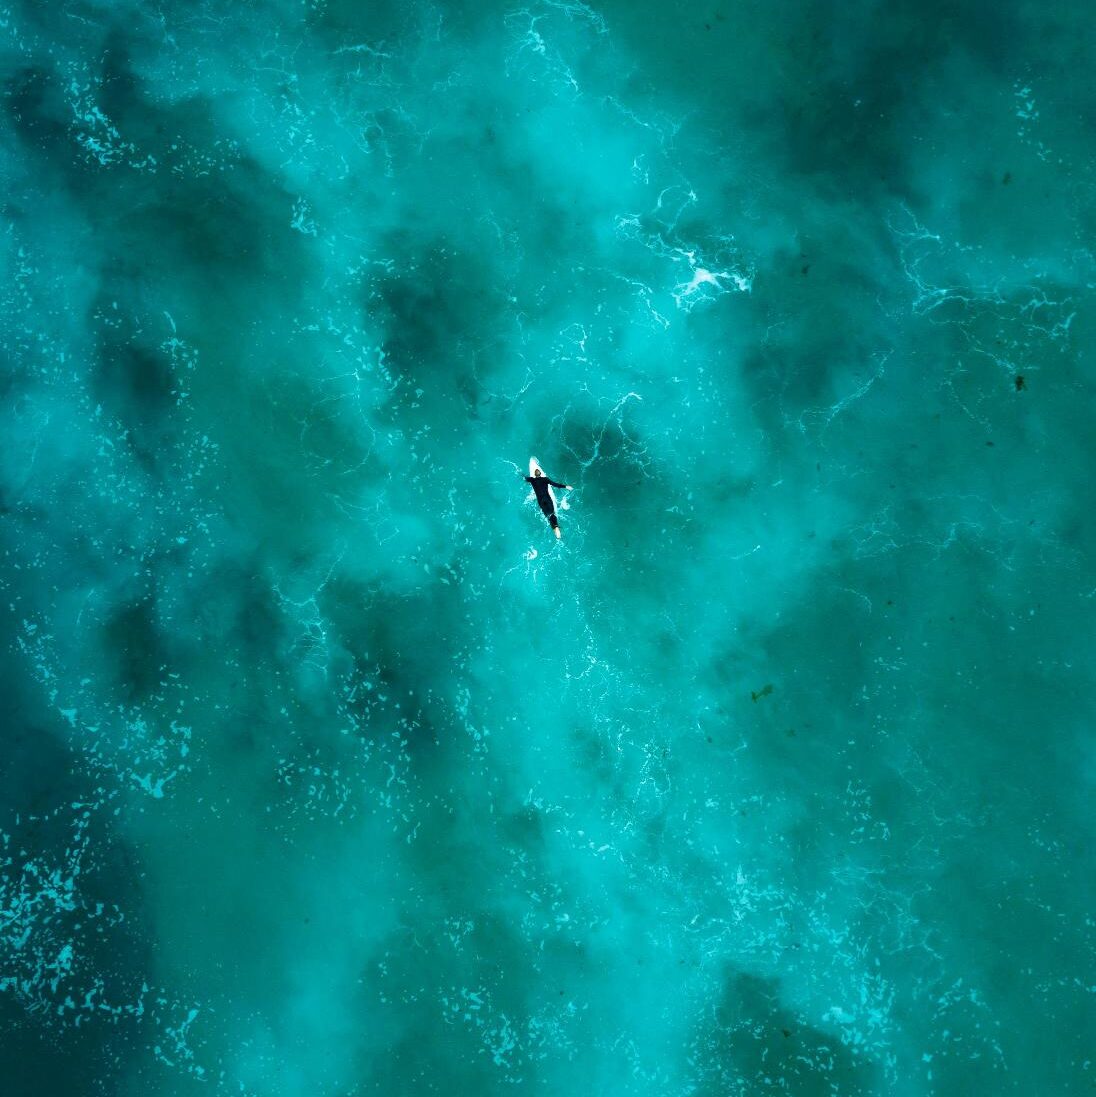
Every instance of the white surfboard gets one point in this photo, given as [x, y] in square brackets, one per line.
[534, 466]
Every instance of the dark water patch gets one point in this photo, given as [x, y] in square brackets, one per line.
[75, 934]
[37, 771]
[127, 100]
[135, 379]
[139, 386]
[438, 308]
[405, 655]
[429, 1053]
[213, 231]
[485, 998]
[525, 829]
[37, 1060]
[37, 109]
[594, 754]
[239, 612]
[426, 628]
[752, 1042]
[133, 644]
[346, 23]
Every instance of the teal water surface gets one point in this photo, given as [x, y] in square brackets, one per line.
[327, 771]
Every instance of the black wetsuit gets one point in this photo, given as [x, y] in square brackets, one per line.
[540, 486]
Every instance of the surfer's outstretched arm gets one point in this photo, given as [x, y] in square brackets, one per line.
[566, 487]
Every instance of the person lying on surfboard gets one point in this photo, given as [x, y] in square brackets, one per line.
[542, 487]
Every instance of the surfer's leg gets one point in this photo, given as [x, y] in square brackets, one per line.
[553, 521]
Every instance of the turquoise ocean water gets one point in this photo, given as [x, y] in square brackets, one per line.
[326, 771]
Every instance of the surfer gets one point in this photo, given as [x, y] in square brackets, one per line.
[541, 484]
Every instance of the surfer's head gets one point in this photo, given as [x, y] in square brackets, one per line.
[537, 472]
